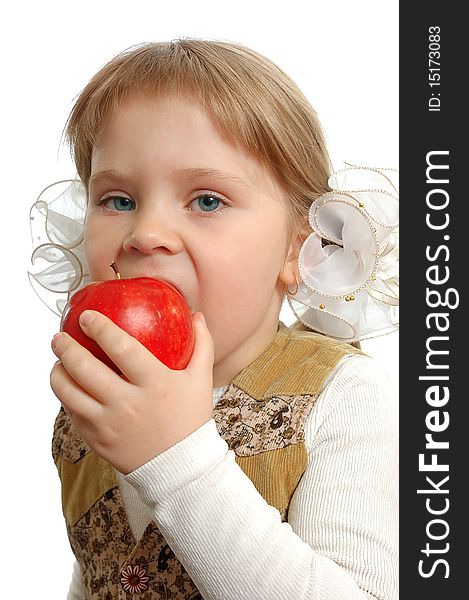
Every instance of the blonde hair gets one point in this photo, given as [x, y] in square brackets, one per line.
[250, 98]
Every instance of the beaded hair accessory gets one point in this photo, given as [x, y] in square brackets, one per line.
[349, 263]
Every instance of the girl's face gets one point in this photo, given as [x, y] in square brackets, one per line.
[170, 198]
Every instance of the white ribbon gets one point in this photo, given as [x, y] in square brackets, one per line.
[349, 264]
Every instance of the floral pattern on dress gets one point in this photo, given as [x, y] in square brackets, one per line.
[75, 448]
[134, 579]
[115, 566]
[252, 426]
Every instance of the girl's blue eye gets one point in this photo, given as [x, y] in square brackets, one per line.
[207, 203]
[119, 203]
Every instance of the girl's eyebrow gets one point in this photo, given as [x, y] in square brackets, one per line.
[107, 174]
[190, 173]
[194, 173]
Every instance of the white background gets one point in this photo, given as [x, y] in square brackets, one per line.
[344, 56]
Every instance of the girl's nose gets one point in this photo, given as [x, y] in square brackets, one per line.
[150, 235]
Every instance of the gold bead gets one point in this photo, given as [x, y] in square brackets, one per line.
[361, 205]
[322, 306]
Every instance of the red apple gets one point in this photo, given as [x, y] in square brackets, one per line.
[150, 310]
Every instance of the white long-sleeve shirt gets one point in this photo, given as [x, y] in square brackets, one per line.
[341, 539]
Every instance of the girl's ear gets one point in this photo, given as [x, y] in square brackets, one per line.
[289, 275]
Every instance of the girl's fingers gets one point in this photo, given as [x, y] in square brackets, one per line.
[134, 360]
[89, 373]
[203, 354]
[74, 399]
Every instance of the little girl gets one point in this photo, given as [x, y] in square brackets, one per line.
[267, 468]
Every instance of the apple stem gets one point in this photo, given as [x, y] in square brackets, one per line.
[116, 270]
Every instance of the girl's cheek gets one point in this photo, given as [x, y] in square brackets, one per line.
[97, 256]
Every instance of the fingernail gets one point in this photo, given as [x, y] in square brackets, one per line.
[201, 318]
[55, 341]
[86, 318]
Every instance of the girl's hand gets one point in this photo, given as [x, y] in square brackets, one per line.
[128, 421]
